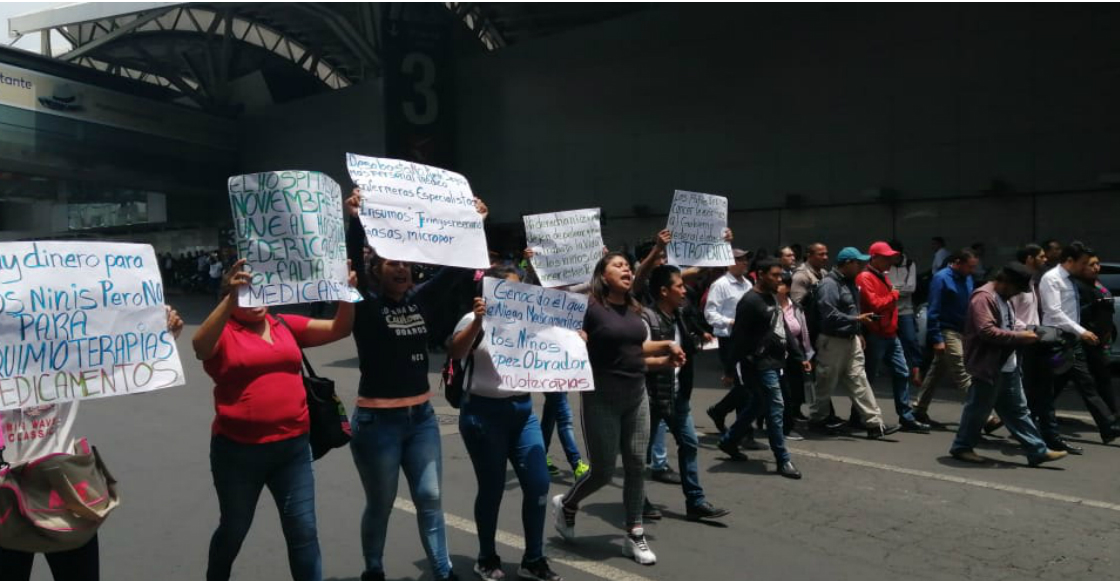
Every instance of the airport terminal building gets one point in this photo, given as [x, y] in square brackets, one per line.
[844, 124]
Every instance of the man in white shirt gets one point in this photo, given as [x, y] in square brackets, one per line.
[719, 311]
[1060, 306]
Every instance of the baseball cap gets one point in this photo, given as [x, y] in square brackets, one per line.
[882, 249]
[1017, 274]
[848, 254]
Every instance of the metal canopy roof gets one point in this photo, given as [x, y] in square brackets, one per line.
[198, 50]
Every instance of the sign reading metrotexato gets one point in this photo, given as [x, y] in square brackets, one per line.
[698, 223]
[290, 232]
[418, 213]
[82, 320]
[532, 336]
[566, 245]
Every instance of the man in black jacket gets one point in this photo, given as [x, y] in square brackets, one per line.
[760, 345]
[670, 388]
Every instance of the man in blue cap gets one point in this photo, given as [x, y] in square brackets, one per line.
[840, 349]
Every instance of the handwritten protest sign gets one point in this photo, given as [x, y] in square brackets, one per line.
[82, 320]
[566, 245]
[698, 223]
[418, 213]
[531, 334]
[289, 230]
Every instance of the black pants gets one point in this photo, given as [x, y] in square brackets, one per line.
[1097, 358]
[1082, 379]
[737, 396]
[81, 564]
[793, 391]
[1038, 389]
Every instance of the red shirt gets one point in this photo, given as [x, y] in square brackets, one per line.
[877, 295]
[258, 392]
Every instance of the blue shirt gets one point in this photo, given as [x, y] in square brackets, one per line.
[948, 303]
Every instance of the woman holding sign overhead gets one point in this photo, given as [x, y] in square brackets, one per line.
[394, 425]
[616, 414]
[261, 425]
[499, 426]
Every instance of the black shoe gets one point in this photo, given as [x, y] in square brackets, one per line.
[923, 417]
[450, 577]
[650, 512]
[373, 576]
[823, 428]
[835, 422]
[1064, 446]
[880, 431]
[717, 419]
[788, 470]
[705, 510]
[913, 426]
[992, 425]
[666, 476]
[537, 571]
[1110, 434]
[732, 450]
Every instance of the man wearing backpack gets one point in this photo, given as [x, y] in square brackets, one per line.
[809, 274]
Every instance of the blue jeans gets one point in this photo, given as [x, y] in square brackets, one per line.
[387, 441]
[764, 390]
[908, 334]
[688, 446]
[1010, 403]
[240, 472]
[496, 431]
[557, 413]
[882, 350]
[658, 457]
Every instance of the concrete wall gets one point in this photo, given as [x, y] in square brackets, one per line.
[315, 133]
[834, 104]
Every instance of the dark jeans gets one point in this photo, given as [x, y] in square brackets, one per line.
[497, 431]
[908, 334]
[882, 350]
[81, 564]
[557, 414]
[387, 442]
[735, 398]
[688, 444]
[1006, 398]
[764, 400]
[1086, 384]
[1096, 357]
[240, 472]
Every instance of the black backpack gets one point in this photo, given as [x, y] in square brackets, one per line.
[457, 376]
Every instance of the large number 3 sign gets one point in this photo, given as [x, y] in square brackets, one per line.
[423, 107]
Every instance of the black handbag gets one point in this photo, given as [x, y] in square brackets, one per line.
[330, 426]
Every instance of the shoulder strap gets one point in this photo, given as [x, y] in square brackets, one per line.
[306, 363]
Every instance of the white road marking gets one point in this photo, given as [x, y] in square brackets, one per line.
[960, 480]
[555, 554]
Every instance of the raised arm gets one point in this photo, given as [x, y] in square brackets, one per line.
[645, 268]
[323, 331]
[462, 341]
[356, 241]
[205, 341]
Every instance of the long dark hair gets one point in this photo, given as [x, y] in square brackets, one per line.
[600, 291]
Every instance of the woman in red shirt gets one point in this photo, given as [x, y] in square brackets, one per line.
[260, 430]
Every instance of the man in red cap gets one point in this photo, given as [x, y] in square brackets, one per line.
[878, 297]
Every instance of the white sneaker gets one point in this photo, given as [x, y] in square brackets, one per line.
[568, 531]
[634, 545]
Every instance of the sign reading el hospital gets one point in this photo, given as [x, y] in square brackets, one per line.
[82, 320]
[418, 213]
[289, 230]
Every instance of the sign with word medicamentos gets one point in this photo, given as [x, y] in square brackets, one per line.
[418, 213]
[289, 230]
[566, 245]
[82, 320]
[532, 335]
[699, 225]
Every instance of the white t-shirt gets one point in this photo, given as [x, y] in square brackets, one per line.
[1007, 323]
[36, 432]
[485, 380]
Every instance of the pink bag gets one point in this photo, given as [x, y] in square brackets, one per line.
[55, 503]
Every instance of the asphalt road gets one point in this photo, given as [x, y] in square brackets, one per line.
[866, 510]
